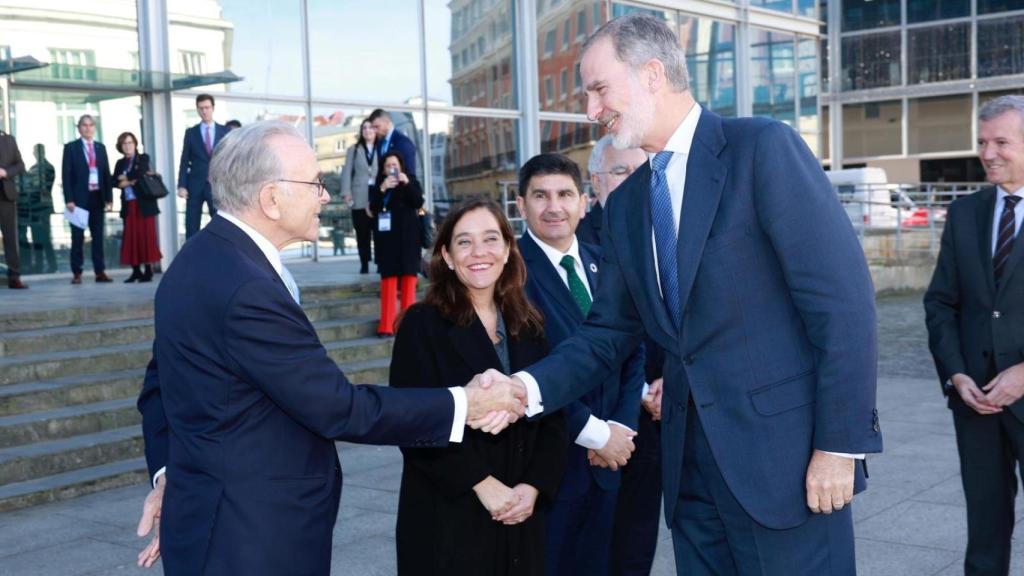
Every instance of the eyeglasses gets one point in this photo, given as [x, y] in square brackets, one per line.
[618, 171]
[321, 188]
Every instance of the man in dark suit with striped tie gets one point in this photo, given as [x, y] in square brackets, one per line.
[975, 315]
[194, 168]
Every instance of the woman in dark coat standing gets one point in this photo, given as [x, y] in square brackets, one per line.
[139, 246]
[358, 177]
[475, 507]
[394, 201]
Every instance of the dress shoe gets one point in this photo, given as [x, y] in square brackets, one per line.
[147, 275]
[77, 279]
[102, 277]
[16, 284]
[135, 277]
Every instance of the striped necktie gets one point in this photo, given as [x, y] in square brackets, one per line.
[664, 224]
[1004, 241]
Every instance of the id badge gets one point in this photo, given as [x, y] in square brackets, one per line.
[371, 181]
[94, 177]
[384, 222]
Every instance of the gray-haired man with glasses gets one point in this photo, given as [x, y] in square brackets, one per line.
[608, 168]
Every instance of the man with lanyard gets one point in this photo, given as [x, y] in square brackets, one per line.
[87, 184]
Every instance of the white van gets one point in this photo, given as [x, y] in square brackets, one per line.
[868, 197]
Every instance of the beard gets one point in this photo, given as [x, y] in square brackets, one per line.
[634, 121]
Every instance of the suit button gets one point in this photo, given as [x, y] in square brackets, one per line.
[996, 314]
[689, 359]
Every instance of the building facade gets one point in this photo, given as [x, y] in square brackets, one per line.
[480, 85]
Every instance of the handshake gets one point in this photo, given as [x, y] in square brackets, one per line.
[494, 401]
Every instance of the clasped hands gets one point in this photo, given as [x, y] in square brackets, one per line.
[1005, 389]
[494, 401]
[508, 505]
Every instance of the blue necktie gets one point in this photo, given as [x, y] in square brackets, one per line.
[665, 235]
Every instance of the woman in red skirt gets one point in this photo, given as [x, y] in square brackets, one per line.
[139, 247]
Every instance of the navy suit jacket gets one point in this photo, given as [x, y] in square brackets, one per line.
[242, 404]
[75, 174]
[777, 345]
[618, 396]
[404, 146]
[194, 168]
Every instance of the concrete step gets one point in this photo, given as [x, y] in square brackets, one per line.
[368, 371]
[72, 484]
[70, 391]
[17, 321]
[68, 421]
[22, 463]
[360, 350]
[66, 338]
[52, 365]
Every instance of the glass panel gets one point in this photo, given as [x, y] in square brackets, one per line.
[185, 116]
[259, 40]
[42, 122]
[710, 48]
[872, 129]
[939, 54]
[559, 36]
[809, 8]
[1000, 49]
[925, 10]
[780, 5]
[871, 61]
[807, 67]
[473, 156]
[865, 14]
[773, 75]
[939, 124]
[991, 6]
[486, 81]
[623, 9]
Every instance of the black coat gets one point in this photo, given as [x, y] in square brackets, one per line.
[443, 529]
[398, 250]
[147, 206]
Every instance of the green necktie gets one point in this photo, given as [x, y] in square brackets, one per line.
[576, 286]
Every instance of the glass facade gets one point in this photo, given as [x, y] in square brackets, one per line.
[867, 14]
[1000, 46]
[871, 61]
[939, 53]
[449, 72]
[927, 10]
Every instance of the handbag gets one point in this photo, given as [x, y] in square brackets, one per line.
[151, 186]
[426, 229]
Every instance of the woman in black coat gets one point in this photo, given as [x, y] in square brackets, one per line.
[139, 246]
[394, 201]
[475, 507]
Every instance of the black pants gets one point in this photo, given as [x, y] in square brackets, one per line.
[96, 217]
[638, 514]
[194, 209]
[9, 230]
[363, 223]
[991, 448]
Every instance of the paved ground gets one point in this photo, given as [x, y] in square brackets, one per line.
[910, 521]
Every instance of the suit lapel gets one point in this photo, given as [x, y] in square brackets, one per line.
[986, 212]
[590, 262]
[547, 278]
[705, 179]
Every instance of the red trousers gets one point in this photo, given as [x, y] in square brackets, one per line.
[388, 296]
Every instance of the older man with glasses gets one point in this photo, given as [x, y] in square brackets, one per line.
[608, 168]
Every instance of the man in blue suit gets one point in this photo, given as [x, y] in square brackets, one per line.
[729, 250]
[194, 168]
[241, 404]
[562, 276]
[389, 139]
[87, 184]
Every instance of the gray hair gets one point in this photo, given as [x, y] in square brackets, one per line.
[243, 162]
[639, 38]
[995, 108]
[596, 162]
[83, 118]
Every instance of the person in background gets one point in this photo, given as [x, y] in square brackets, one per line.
[476, 507]
[232, 124]
[358, 177]
[194, 168]
[391, 140]
[87, 183]
[11, 166]
[35, 206]
[608, 168]
[140, 246]
[394, 200]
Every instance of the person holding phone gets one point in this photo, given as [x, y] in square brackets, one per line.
[395, 200]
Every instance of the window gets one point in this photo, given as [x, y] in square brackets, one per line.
[780, 5]
[596, 22]
[549, 42]
[939, 54]
[773, 75]
[566, 34]
[565, 83]
[1000, 50]
[581, 25]
[193, 63]
[991, 6]
[865, 14]
[69, 64]
[549, 90]
[5, 52]
[710, 48]
[926, 10]
[871, 61]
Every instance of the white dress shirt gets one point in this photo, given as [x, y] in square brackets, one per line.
[274, 257]
[679, 144]
[1018, 214]
[595, 433]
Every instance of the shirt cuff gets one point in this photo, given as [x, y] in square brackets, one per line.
[534, 403]
[461, 411]
[645, 390]
[845, 455]
[158, 474]
[595, 434]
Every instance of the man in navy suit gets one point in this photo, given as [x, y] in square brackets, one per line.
[194, 168]
[241, 404]
[87, 184]
[730, 250]
[389, 139]
[562, 276]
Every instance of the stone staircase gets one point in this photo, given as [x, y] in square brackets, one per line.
[69, 380]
